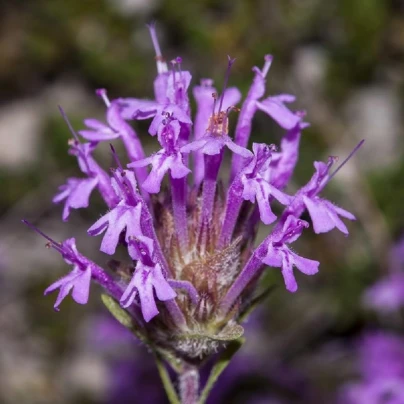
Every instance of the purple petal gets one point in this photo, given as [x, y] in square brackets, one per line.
[279, 195]
[141, 163]
[133, 227]
[156, 122]
[235, 148]
[94, 124]
[64, 291]
[322, 222]
[305, 265]
[129, 294]
[161, 164]
[100, 225]
[287, 273]
[64, 192]
[81, 288]
[114, 222]
[133, 108]
[232, 96]
[163, 290]
[339, 211]
[275, 108]
[290, 280]
[249, 189]
[145, 290]
[77, 194]
[195, 145]
[79, 197]
[273, 257]
[100, 135]
[262, 195]
[178, 168]
[160, 87]
[62, 281]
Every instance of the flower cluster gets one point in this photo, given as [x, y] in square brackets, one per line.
[381, 359]
[189, 236]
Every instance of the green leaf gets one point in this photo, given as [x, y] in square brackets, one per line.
[122, 316]
[220, 366]
[229, 333]
[167, 383]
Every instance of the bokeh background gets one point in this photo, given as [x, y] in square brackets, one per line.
[345, 62]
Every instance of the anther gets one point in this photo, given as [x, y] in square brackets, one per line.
[232, 108]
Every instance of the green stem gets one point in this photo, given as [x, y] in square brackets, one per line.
[167, 383]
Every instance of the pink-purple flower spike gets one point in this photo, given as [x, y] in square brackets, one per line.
[188, 231]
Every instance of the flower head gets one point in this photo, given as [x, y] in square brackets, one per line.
[191, 266]
[280, 255]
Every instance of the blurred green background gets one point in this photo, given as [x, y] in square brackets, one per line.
[344, 60]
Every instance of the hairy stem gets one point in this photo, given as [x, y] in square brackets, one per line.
[189, 385]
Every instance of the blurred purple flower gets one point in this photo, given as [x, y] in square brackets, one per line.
[381, 366]
[387, 294]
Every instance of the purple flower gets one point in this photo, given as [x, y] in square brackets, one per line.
[117, 127]
[77, 193]
[274, 106]
[386, 295]
[148, 277]
[255, 185]
[205, 101]
[381, 359]
[386, 391]
[124, 216]
[381, 354]
[216, 138]
[77, 281]
[170, 88]
[324, 214]
[168, 158]
[280, 255]
[98, 131]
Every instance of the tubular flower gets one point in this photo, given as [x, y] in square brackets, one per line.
[191, 269]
